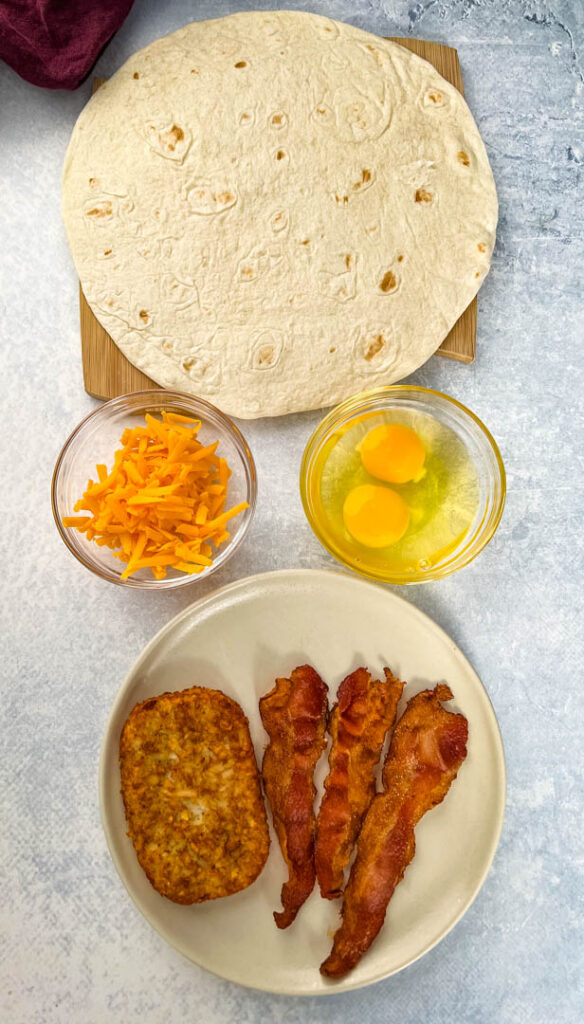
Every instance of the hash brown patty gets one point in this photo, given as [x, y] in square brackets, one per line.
[192, 795]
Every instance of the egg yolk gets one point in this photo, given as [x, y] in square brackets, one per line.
[393, 452]
[375, 516]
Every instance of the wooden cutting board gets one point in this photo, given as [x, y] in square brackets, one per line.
[106, 371]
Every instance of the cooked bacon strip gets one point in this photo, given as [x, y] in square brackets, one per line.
[426, 751]
[294, 714]
[359, 721]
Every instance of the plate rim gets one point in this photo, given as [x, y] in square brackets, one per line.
[198, 605]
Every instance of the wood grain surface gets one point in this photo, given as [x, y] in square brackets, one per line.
[106, 371]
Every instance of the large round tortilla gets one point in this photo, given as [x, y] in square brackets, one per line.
[275, 210]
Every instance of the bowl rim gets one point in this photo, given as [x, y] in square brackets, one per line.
[481, 536]
[251, 475]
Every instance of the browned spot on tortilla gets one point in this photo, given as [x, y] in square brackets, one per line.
[280, 154]
[240, 64]
[333, 349]
[482, 247]
[365, 178]
[388, 281]
[305, 242]
[194, 71]
[144, 316]
[135, 75]
[107, 252]
[175, 134]
[266, 356]
[320, 110]
[277, 119]
[477, 274]
[348, 260]
[435, 97]
[463, 158]
[188, 364]
[400, 258]
[423, 196]
[103, 210]
[247, 273]
[374, 347]
[224, 197]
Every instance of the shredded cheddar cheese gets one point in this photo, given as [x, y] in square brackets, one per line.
[162, 505]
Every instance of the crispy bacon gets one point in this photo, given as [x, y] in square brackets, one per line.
[426, 751]
[294, 714]
[359, 721]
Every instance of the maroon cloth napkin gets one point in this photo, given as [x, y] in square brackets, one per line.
[55, 43]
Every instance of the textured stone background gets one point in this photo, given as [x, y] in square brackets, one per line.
[72, 946]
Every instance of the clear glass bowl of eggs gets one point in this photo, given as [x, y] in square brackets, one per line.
[403, 484]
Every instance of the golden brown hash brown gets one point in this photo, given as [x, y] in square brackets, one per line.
[192, 795]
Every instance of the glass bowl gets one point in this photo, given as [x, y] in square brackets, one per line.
[96, 439]
[479, 449]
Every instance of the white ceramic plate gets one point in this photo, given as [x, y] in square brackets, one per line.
[238, 640]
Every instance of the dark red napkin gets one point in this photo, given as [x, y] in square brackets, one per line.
[55, 43]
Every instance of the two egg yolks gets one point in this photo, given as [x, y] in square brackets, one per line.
[378, 516]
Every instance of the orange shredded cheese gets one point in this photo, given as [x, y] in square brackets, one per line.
[162, 505]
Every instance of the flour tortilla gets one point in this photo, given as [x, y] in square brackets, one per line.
[275, 210]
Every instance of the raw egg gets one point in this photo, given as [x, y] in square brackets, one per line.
[393, 452]
[375, 516]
